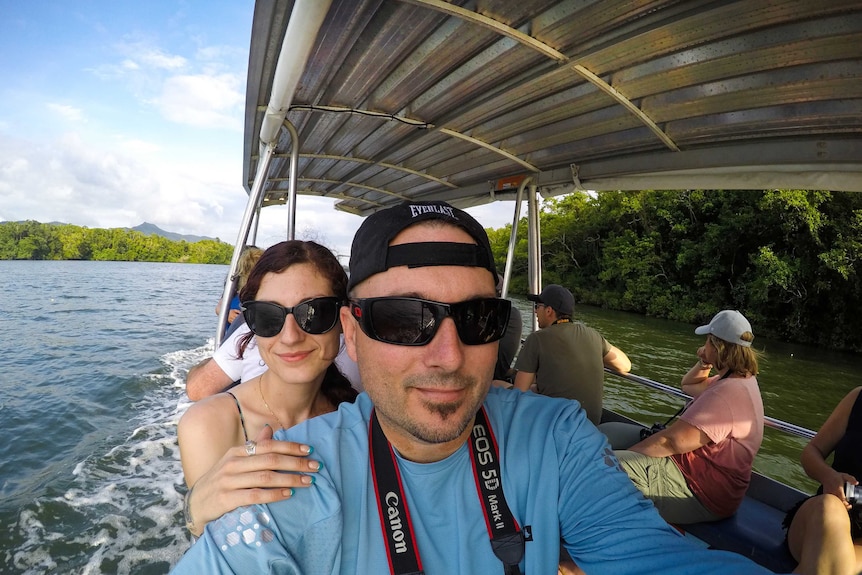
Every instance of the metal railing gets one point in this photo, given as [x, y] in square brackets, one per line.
[768, 421]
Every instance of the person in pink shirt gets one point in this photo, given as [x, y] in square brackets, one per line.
[698, 468]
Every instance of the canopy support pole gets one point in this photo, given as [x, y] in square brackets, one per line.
[534, 245]
[291, 184]
[513, 238]
[252, 206]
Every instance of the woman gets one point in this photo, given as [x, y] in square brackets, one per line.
[699, 468]
[825, 531]
[291, 302]
[247, 258]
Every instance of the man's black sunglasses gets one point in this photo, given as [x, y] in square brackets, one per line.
[413, 321]
[314, 316]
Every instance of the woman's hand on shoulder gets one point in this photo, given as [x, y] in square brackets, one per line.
[251, 474]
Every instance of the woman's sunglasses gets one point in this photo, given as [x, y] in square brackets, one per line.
[413, 321]
[314, 316]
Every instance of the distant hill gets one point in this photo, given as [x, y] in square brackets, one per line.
[145, 228]
[154, 230]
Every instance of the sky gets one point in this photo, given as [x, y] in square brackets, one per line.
[119, 112]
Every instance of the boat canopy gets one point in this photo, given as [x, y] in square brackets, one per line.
[465, 101]
[373, 102]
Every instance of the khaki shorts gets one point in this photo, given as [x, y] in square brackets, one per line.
[661, 481]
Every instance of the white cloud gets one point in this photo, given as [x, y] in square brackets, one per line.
[138, 147]
[139, 60]
[112, 71]
[221, 55]
[68, 112]
[203, 101]
[316, 219]
[88, 184]
[94, 184]
[11, 166]
[198, 93]
[155, 58]
[496, 214]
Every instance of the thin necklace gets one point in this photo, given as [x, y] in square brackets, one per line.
[260, 389]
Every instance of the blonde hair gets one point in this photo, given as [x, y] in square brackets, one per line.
[247, 259]
[740, 359]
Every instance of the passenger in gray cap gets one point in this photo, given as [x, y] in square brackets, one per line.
[566, 358]
[698, 468]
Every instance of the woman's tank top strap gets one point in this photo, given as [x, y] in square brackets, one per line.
[848, 456]
[241, 418]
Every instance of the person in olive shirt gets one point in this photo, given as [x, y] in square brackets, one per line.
[566, 358]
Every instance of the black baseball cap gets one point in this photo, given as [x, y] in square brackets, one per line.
[557, 297]
[371, 253]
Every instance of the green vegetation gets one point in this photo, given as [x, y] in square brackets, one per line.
[35, 241]
[788, 259]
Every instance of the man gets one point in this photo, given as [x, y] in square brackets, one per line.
[566, 358]
[429, 461]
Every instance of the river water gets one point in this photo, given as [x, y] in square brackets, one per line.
[93, 365]
[91, 387]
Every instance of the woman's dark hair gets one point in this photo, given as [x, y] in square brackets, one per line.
[336, 388]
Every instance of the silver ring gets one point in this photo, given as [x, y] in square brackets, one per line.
[250, 447]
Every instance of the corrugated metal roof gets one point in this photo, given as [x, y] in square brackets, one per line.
[429, 99]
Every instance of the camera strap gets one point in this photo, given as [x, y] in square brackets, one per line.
[675, 415]
[507, 539]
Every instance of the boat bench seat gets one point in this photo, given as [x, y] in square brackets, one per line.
[754, 531]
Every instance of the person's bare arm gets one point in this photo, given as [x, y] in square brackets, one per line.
[694, 382]
[681, 437]
[502, 383]
[821, 445]
[617, 360]
[523, 380]
[206, 379]
[221, 476]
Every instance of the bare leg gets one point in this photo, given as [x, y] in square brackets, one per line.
[567, 566]
[819, 538]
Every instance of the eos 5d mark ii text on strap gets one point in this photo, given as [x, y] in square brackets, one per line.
[507, 539]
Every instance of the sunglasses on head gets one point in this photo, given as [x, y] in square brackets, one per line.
[315, 316]
[414, 321]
